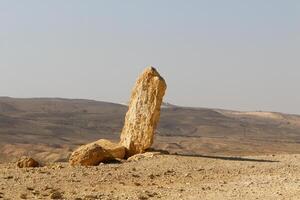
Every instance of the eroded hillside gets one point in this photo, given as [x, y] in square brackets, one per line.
[50, 128]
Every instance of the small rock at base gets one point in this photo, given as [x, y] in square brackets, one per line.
[94, 153]
[27, 162]
[138, 157]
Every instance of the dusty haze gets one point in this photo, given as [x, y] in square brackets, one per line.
[233, 55]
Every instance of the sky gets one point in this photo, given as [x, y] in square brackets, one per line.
[238, 55]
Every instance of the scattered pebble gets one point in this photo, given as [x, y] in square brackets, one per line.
[56, 195]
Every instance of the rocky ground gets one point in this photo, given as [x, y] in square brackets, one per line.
[160, 176]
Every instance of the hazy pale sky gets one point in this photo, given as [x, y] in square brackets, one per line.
[242, 55]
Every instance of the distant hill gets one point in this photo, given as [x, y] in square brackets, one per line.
[50, 128]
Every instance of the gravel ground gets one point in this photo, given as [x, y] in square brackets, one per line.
[159, 177]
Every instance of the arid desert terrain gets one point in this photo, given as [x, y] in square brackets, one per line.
[50, 129]
[198, 153]
[159, 177]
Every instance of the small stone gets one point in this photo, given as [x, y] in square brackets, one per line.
[141, 156]
[27, 162]
[151, 194]
[30, 188]
[142, 197]
[137, 184]
[90, 197]
[151, 176]
[56, 195]
[48, 187]
[135, 175]
[170, 172]
[35, 192]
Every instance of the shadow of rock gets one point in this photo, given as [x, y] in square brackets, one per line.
[227, 158]
[231, 158]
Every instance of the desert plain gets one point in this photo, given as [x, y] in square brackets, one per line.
[198, 153]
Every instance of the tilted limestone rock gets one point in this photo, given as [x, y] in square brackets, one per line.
[93, 153]
[25, 162]
[143, 113]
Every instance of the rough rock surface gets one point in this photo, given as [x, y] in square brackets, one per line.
[94, 153]
[112, 150]
[27, 162]
[143, 113]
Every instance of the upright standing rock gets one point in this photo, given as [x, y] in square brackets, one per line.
[143, 113]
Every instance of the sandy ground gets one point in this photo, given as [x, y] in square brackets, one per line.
[159, 177]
